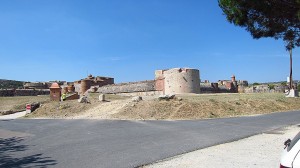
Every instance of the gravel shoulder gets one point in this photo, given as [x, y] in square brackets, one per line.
[261, 151]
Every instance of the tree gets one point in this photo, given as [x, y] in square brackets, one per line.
[279, 19]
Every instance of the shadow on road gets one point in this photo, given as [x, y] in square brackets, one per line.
[9, 147]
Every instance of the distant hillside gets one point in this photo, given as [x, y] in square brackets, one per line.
[9, 84]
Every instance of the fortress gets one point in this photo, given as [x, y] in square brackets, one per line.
[168, 81]
[173, 81]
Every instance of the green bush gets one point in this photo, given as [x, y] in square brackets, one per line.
[271, 86]
[283, 83]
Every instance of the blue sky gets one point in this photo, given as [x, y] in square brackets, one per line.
[42, 40]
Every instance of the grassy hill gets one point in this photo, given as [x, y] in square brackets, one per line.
[10, 84]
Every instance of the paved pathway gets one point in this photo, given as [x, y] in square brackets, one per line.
[111, 143]
[13, 116]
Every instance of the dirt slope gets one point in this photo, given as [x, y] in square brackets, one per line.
[190, 107]
[209, 106]
[72, 109]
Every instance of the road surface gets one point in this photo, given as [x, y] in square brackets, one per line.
[112, 143]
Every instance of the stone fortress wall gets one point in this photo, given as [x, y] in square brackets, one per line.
[141, 86]
[170, 81]
[212, 88]
[23, 92]
[36, 85]
[85, 84]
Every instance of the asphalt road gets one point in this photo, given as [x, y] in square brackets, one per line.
[111, 143]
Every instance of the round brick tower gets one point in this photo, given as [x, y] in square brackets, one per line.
[85, 85]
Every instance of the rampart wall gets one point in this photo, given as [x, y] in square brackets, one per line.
[145, 88]
[23, 92]
[142, 86]
[210, 89]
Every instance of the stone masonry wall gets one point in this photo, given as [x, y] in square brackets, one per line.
[7, 92]
[209, 89]
[142, 86]
[23, 92]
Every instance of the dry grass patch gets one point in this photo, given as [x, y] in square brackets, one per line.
[18, 103]
[210, 106]
[71, 108]
[191, 106]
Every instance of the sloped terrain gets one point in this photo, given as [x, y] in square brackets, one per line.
[72, 109]
[10, 105]
[182, 107]
[209, 106]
